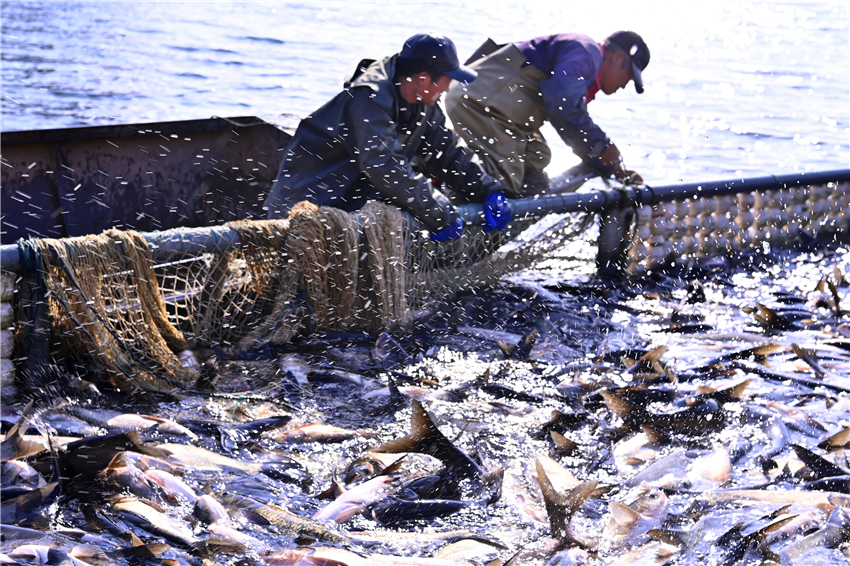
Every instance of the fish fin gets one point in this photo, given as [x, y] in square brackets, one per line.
[737, 391]
[765, 350]
[89, 553]
[667, 536]
[562, 443]
[16, 445]
[394, 467]
[838, 440]
[655, 436]
[216, 544]
[779, 512]
[623, 514]
[617, 404]
[525, 345]
[421, 426]
[507, 349]
[654, 355]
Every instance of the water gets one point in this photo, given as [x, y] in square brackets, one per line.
[733, 89]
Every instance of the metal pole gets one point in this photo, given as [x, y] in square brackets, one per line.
[169, 244]
[164, 246]
[595, 201]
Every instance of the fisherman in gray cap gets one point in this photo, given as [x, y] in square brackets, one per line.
[550, 78]
[385, 138]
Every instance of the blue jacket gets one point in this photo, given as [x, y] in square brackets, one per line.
[572, 62]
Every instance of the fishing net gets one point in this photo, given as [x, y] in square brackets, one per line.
[104, 303]
[253, 283]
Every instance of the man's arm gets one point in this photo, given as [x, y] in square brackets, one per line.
[375, 146]
[449, 161]
[565, 101]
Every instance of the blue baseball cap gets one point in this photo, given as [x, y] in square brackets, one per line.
[633, 44]
[439, 55]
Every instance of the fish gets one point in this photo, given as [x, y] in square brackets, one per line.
[368, 466]
[834, 532]
[825, 285]
[287, 523]
[840, 484]
[810, 357]
[761, 371]
[648, 367]
[758, 541]
[426, 438]
[522, 349]
[316, 432]
[504, 392]
[771, 320]
[562, 444]
[392, 510]
[22, 510]
[173, 487]
[117, 422]
[80, 462]
[559, 422]
[325, 556]
[123, 473]
[560, 507]
[388, 352]
[335, 376]
[356, 500]
[780, 496]
[201, 459]
[821, 467]
[19, 472]
[153, 520]
[756, 353]
[470, 549]
[209, 510]
[730, 394]
[798, 420]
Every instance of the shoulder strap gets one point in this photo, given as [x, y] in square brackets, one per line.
[486, 48]
[361, 68]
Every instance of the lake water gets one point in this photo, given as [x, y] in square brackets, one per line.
[733, 89]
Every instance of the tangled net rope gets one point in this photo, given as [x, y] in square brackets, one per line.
[319, 269]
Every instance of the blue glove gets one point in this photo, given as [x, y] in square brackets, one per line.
[497, 212]
[450, 232]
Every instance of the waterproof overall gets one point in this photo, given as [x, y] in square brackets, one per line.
[500, 113]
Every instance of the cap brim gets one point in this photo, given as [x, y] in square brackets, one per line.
[637, 77]
[463, 74]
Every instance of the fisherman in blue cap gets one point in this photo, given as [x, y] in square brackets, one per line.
[385, 138]
[550, 78]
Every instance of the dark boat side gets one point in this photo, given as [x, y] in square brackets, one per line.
[145, 177]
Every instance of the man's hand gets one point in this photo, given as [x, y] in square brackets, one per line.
[450, 232]
[611, 156]
[497, 212]
[627, 176]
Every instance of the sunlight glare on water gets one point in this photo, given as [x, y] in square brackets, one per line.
[733, 89]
